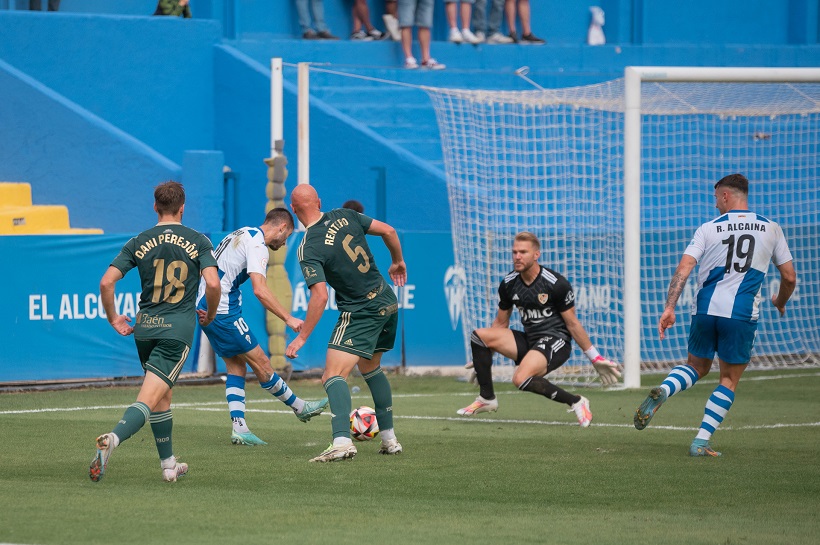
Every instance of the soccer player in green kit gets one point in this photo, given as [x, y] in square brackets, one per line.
[170, 259]
[334, 251]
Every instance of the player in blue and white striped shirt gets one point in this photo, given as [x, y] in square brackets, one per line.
[734, 252]
[241, 256]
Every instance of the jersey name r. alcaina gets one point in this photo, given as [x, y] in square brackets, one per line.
[169, 258]
[238, 255]
[733, 252]
[539, 304]
[335, 250]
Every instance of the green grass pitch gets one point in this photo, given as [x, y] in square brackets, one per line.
[526, 474]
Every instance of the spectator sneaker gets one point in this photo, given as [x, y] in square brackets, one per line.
[497, 38]
[411, 63]
[481, 37]
[455, 36]
[582, 412]
[391, 24]
[513, 37]
[361, 35]
[469, 37]
[325, 35]
[433, 64]
[310, 34]
[532, 39]
[377, 34]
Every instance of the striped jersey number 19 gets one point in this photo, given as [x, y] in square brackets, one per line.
[738, 250]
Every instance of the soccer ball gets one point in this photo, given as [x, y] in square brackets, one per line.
[363, 424]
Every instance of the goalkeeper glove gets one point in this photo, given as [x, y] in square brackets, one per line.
[608, 370]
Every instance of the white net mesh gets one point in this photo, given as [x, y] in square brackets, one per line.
[551, 162]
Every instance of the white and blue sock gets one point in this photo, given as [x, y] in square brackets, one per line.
[235, 394]
[679, 379]
[279, 389]
[716, 408]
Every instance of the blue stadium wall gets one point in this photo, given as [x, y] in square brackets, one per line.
[100, 102]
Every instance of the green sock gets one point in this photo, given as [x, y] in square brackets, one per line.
[338, 394]
[132, 420]
[162, 424]
[382, 397]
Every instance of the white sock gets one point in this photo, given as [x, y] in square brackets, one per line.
[169, 463]
[298, 405]
[341, 441]
[387, 435]
[239, 425]
[115, 440]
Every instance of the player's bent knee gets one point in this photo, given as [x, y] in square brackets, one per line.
[476, 338]
[520, 378]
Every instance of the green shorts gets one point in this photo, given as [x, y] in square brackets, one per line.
[163, 357]
[366, 331]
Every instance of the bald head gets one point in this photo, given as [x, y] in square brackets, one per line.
[305, 203]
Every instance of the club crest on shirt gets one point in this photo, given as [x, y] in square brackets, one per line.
[543, 298]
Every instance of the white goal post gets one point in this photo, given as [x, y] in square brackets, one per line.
[615, 178]
[634, 76]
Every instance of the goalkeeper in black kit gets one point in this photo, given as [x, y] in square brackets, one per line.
[546, 303]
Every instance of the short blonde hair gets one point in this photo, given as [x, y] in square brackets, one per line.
[526, 236]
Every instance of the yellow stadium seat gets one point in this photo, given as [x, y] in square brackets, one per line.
[18, 216]
[15, 194]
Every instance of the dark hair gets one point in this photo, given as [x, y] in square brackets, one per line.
[169, 197]
[738, 182]
[279, 215]
[353, 204]
[526, 236]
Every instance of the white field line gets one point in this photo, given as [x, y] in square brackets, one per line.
[538, 422]
[395, 396]
[219, 406]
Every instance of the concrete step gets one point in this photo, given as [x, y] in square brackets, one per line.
[15, 194]
[73, 231]
[29, 220]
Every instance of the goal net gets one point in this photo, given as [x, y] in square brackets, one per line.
[552, 162]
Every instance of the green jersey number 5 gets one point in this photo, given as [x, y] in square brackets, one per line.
[355, 253]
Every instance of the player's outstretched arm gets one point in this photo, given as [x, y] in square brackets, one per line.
[608, 370]
[676, 285]
[398, 269]
[107, 287]
[271, 303]
[316, 307]
[788, 281]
